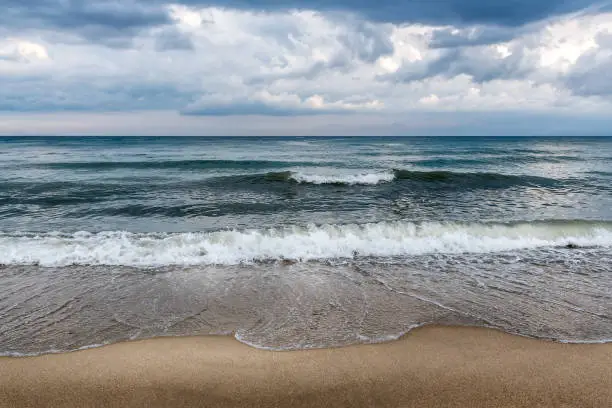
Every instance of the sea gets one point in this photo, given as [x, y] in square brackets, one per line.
[295, 243]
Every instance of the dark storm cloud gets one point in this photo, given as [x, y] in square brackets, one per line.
[507, 12]
[108, 22]
[95, 19]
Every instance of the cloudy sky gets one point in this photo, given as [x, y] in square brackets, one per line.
[306, 67]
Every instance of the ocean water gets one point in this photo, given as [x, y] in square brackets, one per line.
[290, 243]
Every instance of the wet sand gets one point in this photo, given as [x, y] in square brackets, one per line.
[429, 367]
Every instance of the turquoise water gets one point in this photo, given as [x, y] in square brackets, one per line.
[301, 242]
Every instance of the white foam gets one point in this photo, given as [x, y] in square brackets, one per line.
[51, 351]
[298, 143]
[350, 179]
[298, 243]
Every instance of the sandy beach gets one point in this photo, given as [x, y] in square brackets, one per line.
[429, 367]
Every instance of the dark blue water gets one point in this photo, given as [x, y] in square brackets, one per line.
[205, 184]
[301, 242]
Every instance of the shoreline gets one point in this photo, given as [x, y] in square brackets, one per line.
[232, 335]
[429, 366]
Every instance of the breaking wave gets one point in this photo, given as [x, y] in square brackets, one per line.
[299, 243]
[379, 177]
[349, 179]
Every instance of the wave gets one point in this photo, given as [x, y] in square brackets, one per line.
[348, 179]
[71, 194]
[300, 143]
[453, 177]
[305, 177]
[379, 177]
[297, 243]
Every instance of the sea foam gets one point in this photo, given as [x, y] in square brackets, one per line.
[349, 179]
[300, 243]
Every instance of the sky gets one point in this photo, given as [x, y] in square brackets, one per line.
[305, 67]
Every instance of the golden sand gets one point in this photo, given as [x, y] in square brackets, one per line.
[429, 367]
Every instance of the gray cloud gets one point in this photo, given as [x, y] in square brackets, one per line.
[269, 64]
[13, 57]
[254, 107]
[112, 23]
[366, 42]
[115, 23]
[358, 42]
[508, 13]
[473, 36]
[479, 64]
[604, 40]
[171, 39]
[592, 73]
[38, 94]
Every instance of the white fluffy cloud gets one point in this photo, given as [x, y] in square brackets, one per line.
[219, 62]
[12, 49]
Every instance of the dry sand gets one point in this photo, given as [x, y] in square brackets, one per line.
[430, 367]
